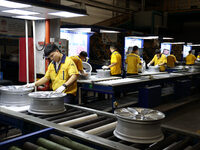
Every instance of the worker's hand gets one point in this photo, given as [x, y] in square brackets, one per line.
[148, 64]
[105, 67]
[60, 89]
[29, 85]
[85, 74]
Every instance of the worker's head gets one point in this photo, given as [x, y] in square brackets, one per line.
[190, 52]
[158, 52]
[135, 50]
[113, 48]
[83, 55]
[52, 52]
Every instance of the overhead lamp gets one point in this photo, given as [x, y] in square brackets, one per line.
[20, 12]
[145, 37]
[193, 45]
[10, 4]
[177, 43]
[28, 17]
[66, 14]
[109, 31]
[167, 38]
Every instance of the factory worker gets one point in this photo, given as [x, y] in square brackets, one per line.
[116, 62]
[62, 72]
[78, 61]
[198, 57]
[159, 60]
[133, 61]
[171, 60]
[190, 59]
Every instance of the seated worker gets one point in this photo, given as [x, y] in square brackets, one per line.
[159, 59]
[171, 60]
[61, 71]
[198, 56]
[78, 61]
[190, 59]
[116, 62]
[133, 62]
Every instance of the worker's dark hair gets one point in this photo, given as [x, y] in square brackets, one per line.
[172, 52]
[49, 48]
[83, 54]
[113, 46]
[157, 51]
[190, 52]
[135, 48]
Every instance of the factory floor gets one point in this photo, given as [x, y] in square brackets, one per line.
[185, 117]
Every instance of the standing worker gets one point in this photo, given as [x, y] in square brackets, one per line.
[62, 71]
[190, 59]
[133, 62]
[78, 61]
[116, 62]
[171, 60]
[159, 59]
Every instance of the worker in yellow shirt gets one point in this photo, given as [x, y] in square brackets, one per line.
[159, 60]
[133, 61]
[116, 62]
[171, 60]
[190, 59]
[198, 57]
[78, 61]
[62, 71]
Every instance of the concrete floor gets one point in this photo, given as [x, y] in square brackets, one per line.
[186, 117]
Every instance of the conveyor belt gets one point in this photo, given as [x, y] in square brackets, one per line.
[173, 140]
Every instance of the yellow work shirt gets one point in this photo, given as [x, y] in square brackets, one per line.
[132, 61]
[65, 70]
[161, 60]
[78, 62]
[116, 58]
[190, 59]
[171, 60]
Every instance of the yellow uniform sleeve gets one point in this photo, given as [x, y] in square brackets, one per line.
[164, 59]
[72, 69]
[80, 65]
[175, 58]
[113, 58]
[154, 58]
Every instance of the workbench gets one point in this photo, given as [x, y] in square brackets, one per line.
[114, 86]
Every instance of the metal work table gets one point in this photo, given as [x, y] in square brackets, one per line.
[131, 84]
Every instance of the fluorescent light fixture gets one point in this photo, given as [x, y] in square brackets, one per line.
[66, 14]
[167, 38]
[20, 12]
[28, 17]
[193, 44]
[108, 31]
[145, 37]
[10, 4]
[174, 43]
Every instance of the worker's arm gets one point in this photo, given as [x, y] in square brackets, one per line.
[83, 73]
[111, 65]
[71, 80]
[41, 81]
